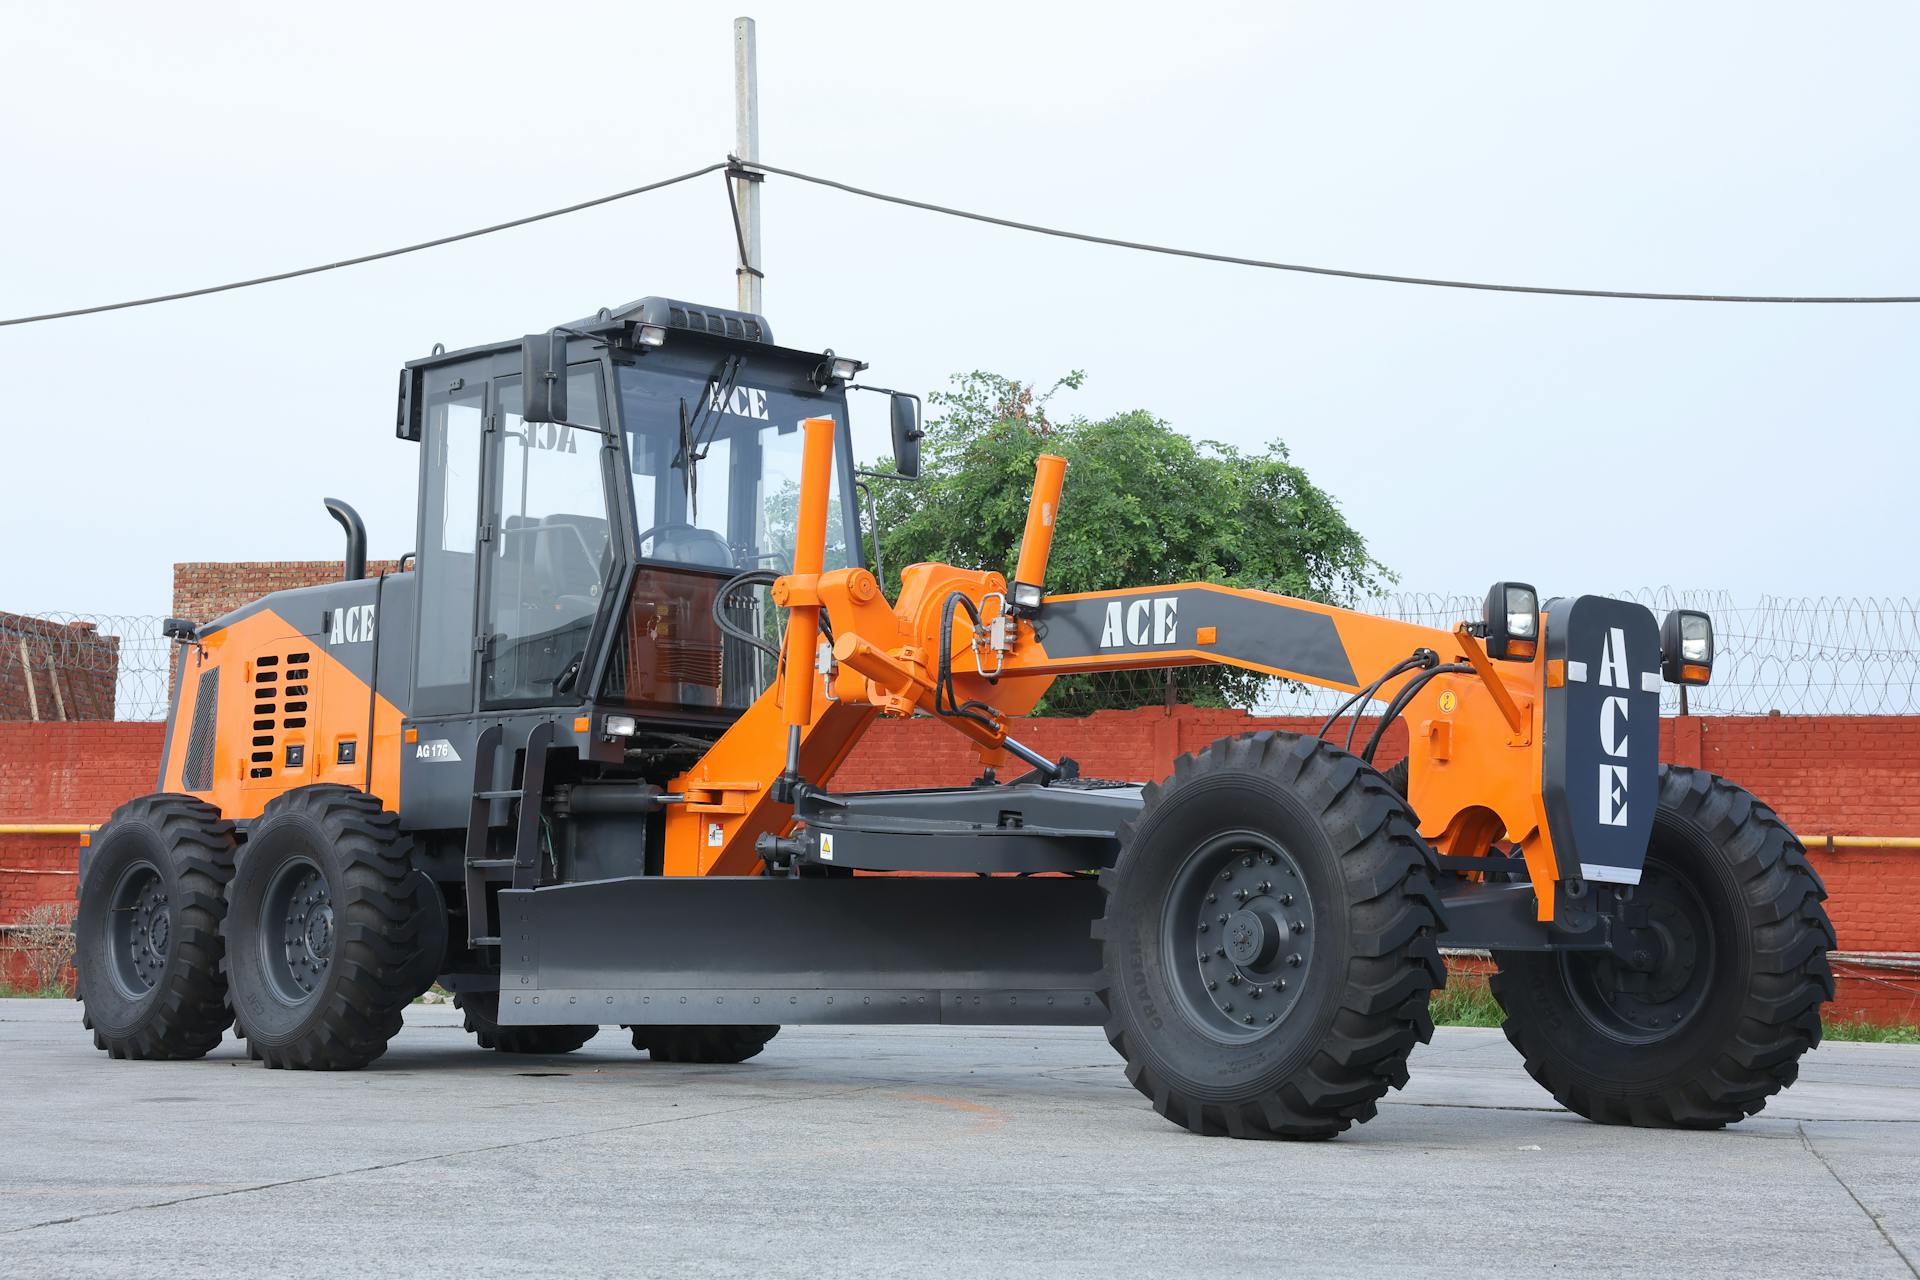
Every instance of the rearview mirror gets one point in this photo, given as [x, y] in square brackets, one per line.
[543, 377]
[906, 434]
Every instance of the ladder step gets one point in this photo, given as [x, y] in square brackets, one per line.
[486, 942]
[491, 862]
[498, 795]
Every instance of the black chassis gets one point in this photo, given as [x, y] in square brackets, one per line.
[810, 943]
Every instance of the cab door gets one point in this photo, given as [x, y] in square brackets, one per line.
[447, 572]
[547, 545]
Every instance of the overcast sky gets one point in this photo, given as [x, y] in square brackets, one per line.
[1579, 444]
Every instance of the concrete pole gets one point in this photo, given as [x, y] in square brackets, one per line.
[746, 145]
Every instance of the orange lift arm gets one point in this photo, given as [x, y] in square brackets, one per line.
[1474, 739]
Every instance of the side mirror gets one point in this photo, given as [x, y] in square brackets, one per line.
[906, 434]
[543, 377]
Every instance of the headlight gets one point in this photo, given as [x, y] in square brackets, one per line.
[1026, 595]
[1686, 647]
[1512, 618]
[622, 726]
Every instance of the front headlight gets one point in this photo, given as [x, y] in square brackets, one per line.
[1686, 647]
[1512, 619]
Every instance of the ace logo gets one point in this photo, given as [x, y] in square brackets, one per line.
[1615, 673]
[1147, 620]
[351, 625]
[551, 437]
[741, 402]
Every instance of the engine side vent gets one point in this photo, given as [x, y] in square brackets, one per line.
[197, 773]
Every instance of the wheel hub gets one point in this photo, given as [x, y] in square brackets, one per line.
[297, 931]
[1661, 977]
[1245, 913]
[140, 929]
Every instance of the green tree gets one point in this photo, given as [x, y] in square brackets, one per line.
[1142, 504]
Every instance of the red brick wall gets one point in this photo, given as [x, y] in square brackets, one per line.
[56, 670]
[63, 773]
[203, 590]
[1826, 776]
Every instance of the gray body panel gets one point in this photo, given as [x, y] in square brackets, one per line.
[1265, 629]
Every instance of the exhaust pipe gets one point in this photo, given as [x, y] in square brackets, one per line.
[356, 537]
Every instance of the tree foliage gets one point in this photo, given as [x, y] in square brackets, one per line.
[1142, 504]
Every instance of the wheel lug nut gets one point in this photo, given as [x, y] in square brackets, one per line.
[1279, 984]
[1228, 1006]
[1213, 986]
[1256, 993]
[1294, 959]
[1266, 886]
[1212, 896]
[1203, 926]
[1220, 951]
[1272, 1016]
[1246, 862]
[1249, 1017]
[1233, 980]
[1223, 919]
[1299, 926]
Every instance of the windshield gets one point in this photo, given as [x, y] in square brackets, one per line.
[715, 452]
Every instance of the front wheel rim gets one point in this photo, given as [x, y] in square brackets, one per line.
[1237, 931]
[296, 935]
[1668, 972]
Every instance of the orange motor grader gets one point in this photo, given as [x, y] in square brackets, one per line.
[575, 762]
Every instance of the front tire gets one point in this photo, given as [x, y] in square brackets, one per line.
[1710, 1019]
[324, 930]
[1270, 940]
[147, 947]
[482, 1009]
[719, 1044]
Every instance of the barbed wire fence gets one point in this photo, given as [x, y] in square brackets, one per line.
[1790, 655]
[83, 666]
[1786, 655]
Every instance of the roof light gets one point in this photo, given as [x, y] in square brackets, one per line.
[833, 368]
[649, 335]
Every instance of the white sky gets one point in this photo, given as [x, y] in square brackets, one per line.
[1582, 445]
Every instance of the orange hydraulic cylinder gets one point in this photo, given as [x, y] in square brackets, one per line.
[1043, 509]
[809, 559]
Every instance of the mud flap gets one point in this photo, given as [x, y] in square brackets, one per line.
[1600, 762]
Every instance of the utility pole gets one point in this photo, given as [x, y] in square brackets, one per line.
[746, 145]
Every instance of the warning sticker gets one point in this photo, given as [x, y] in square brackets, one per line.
[826, 846]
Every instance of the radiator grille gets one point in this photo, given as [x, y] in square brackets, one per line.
[197, 773]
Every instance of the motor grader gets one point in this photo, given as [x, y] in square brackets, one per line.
[575, 762]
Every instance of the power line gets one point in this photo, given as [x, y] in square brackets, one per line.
[736, 167]
[1265, 264]
[367, 257]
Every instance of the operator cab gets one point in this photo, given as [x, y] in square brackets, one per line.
[585, 548]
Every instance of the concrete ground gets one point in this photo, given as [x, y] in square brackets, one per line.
[906, 1151]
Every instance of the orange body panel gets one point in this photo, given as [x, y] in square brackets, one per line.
[280, 689]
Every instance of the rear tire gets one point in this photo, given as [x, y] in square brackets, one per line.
[1283, 866]
[324, 930]
[722, 1044]
[147, 946]
[1716, 1022]
[482, 1009]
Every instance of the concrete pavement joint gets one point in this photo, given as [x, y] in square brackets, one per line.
[426, 1159]
[1807, 1142]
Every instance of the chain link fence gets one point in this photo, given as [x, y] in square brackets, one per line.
[1793, 655]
